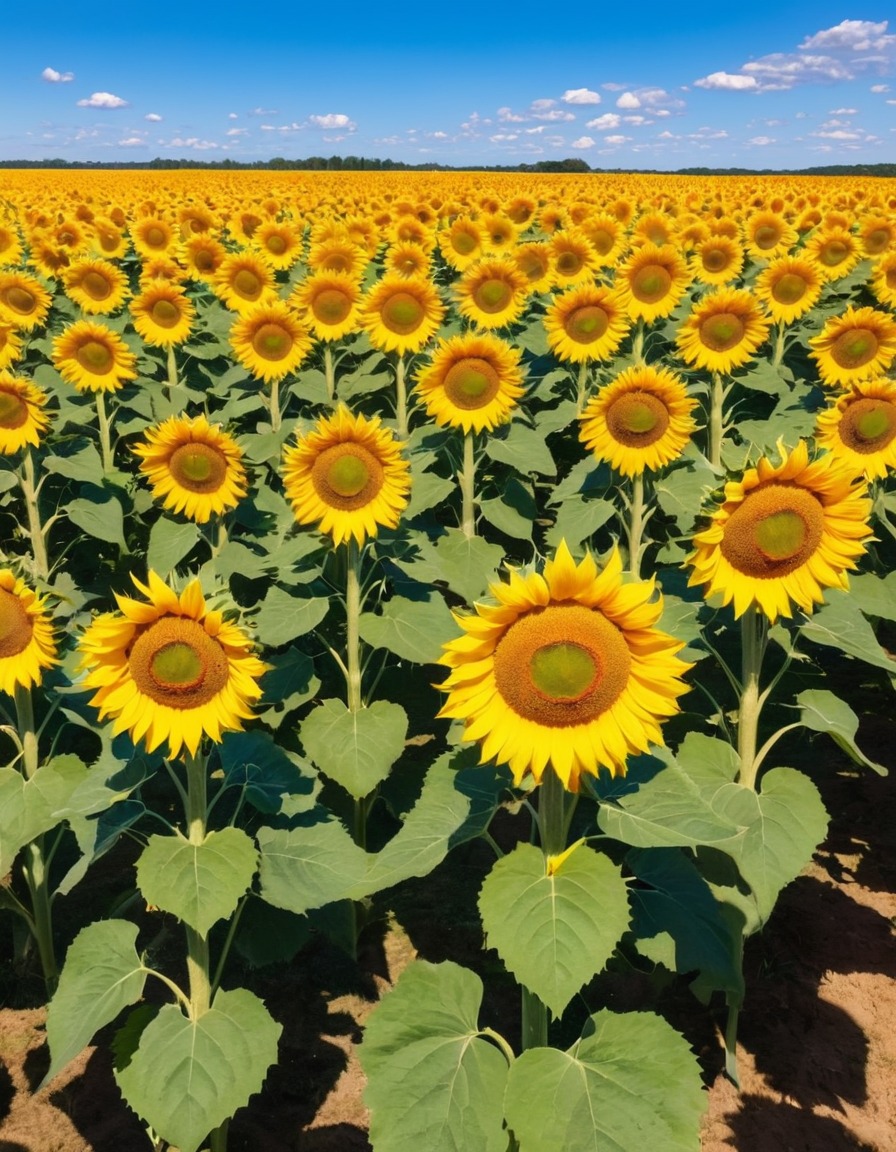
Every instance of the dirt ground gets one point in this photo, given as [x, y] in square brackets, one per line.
[817, 1047]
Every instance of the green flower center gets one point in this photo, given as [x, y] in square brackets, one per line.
[790, 288]
[402, 313]
[563, 671]
[855, 348]
[155, 237]
[869, 424]
[587, 324]
[276, 244]
[651, 283]
[715, 259]
[95, 356]
[722, 332]
[833, 253]
[781, 535]
[348, 475]
[165, 313]
[464, 243]
[766, 236]
[877, 240]
[272, 342]
[20, 300]
[177, 665]
[247, 284]
[198, 467]
[331, 306]
[603, 240]
[471, 383]
[774, 531]
[493, 295]
[569, 263]
[96, 286]
[637, 419]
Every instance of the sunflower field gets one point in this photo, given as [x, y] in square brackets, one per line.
[348, 518]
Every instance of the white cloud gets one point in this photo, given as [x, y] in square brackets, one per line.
[667, 135]
[880, 88]
[103, 100]
[132, 142]
[502, 137]
[54, 77]
[843, 112]
[582, 142]
[553, 115]
[332, 120]
[636, 120]
[580, 96]
[542, 105]
[192, 142]
[438, 135]
[628, 100]
[237, 132]
[851, 36]
[616, 139]
[154, 117]
[604, 123]
[761, 141]
[232, 116]
[261, 112]
[508, 116]
[730, 80]
[533, 131]
[838, 134]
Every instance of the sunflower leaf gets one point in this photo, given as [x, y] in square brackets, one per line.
[524, 449]
[100, 516]
[578, 520]
[412, 629]
[310, 865]
[356, 749]
[840, 624]
[554, 931]
[824, 712]
[433, 1081]
[630, 1083]
[282, 617]
[169, 543]
[188, 1076]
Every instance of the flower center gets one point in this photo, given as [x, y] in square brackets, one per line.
[464, 243]
[331, 306]
[493, 295]
[165, 313]
[471, 383]
[347, 476]
[868, 424]
[877, 240]
[532, 266]
[95, 356]
[247, 284]
[716, 259]
[175, 662]
[337, 262]
[891, 277]
[20, 300]
[651, 283]
[561, 665]
[587, 324]
[203, 260]
[721, 332]
[402, 313]
[637, 419]
[272, 342]
[96, 286]
[833, 253]
[603, 240]
[569, 263]
[774, 531]
[766, 236]
[790, 288]
[198, 467]
[855, 348]
[275, 244]
[13, 410]
[16, 626]
[155, 237]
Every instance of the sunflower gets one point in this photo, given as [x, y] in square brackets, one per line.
[573, 258]
[22, 421]
[877, 234]
[170, 670]
[833, 251]
[162, 314]
[339, 254]
[499, 231]
[347, 476]
[783, 534]
[194, 467]
[860, 428]
[653, 228]
[856, 346]
[723, 330]
[652, 280]
[270, 340]
[96, 286]
[641, 420]
[401, 313]
[202, 256]
[473, 382]
[568, 668]
[408, 229]
[461, 243]
[534, 261]
[27, 645]
[153, 236]
[492, 293]
[93, 357]
[162, 268]
[586, 323]
[10, 345]
[49, 259]
[10, 246]
[107, 239]
[767, 235]
[717, 260]
[278, 244]
[406, 259]
[883, 280]
[244, 281]
[24, 302]
[329, 302]
[607, 237]
[789, 288]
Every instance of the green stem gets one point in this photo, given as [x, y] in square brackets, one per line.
[779, 344]
[638, 342]
[731, 1046]
[352, 625]
[197, 944]
[276, 419]
[401, 401]
[636, 525]
[554, 813]
[173, 379]
[330, 372]
[716, 420]
[105, 426]
[582, 387]
[36, 530]
[752, 649]
[467, 480]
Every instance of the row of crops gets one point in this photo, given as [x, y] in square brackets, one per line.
[340, 515]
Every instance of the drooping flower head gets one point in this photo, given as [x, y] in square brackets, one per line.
[860, 428]
[783, 534]
[641, 420]
[567, 669]
[26, 635]
[194, 467]
[22, 419]
[473, 382]
[93, 357]
[170, 670]
[347, 475]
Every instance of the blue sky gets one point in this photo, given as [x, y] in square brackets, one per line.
[765, 85]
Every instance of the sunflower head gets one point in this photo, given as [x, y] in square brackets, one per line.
[347, 475]
[723, 330]
[789, 287]
[856, 346]
[163, 314]
[22, 419]
[93, 357]
[96, 286]
[473, 382]
[269, 340]
[24, 302]
[586, 323]
[567, 669]
[27, 645]
[860, 428]
[783, 534]
[402, 313]
[492, 292]
[652, 281]
[243, 281]
[329, 303]
[168, 670]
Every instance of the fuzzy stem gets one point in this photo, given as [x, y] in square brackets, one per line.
[636, 525]
[36, 530]
[716, 425]
[638, 342]
[276, 419]
[752, 648]
[330, 372]
[197, 944]
[467, 478]
[401, 401]
[731, 1046]
[173, 379]
[582, 387]
[779, 344]
[352, 624]
[105, 426]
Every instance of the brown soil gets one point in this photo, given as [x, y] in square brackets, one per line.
[817, 1047]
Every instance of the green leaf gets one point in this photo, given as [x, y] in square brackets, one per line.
[169, 543]
[524, 449]
[198, 883]
[467, 564]
[29, 808]
[84, 464]
[102, 975]
[101, 517]
[412, 629]
[631, 1083]
[282, 617]
[427, 491]
[554, 932]
[824, 712]
[252, 760]
[514, 513]
[433, 1082]
[578, 520]
[309, 866]
[875, 595]
[188, 1076]
[840, 624]
[356, 749]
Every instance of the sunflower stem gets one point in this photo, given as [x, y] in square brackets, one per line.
[731, 1045]
[276, 419]
[352, 624]
[197, 944]
[553, 817]
[35, 866]
[173, 379]
[638, 342]
[716, 423]
[105, 426]
[752, 649]
[330, 372]
[636, 523]
[36, 530]
[401, 401]
[582, 388]
[467, 478]
[780, 329]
